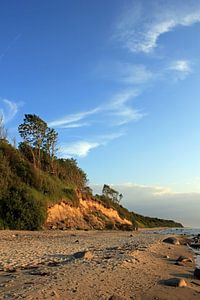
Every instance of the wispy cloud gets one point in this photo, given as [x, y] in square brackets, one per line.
[142, 23]
[79, 148]
[82, 148]
[70, 120]
[135, 74]
[182, 68]
[116, 111]
[138, 31]
[74, 125]
[121, 108]
[124, 72]
[8, 109]
[6, 50]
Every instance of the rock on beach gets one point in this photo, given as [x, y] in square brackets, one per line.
[176, 282]
[197, 273]
[171, 240]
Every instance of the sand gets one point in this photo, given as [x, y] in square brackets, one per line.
[92, 265]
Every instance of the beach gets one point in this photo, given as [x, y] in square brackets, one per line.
[93, 265]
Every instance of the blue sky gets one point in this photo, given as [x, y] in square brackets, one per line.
[119, 81]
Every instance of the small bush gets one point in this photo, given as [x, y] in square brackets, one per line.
[110, 225]
[19, 210]
[71, 196]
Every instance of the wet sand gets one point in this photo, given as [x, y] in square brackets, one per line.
[92, 265]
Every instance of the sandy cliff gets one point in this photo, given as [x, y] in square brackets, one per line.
[90, 214]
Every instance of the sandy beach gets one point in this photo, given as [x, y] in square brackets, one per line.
[92, 265]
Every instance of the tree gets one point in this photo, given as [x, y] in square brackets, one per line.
[106, 190]
[88, 190]
[120, 197]
[112, 194]
[50, 145]
[3, 130]
[5, 173]
[33, 132]
[68, 171]
[38, 137]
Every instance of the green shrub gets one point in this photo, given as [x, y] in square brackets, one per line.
[71, 196]
[19, 210]
[110, 225]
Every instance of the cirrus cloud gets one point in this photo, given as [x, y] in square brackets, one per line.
[80, 149]
[8, 109]
[116, 111]
[182, 68]
[139, 31]
[83, 147]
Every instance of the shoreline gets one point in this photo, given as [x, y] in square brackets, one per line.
[92, 265]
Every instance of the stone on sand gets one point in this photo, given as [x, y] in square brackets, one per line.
[177, 282]
[197, 273]
[184, 259]
[171, 240]
[40, 272]
[83, 254]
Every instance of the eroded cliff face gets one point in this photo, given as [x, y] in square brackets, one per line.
[89, 215]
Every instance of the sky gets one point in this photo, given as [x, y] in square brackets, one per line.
[119, 81]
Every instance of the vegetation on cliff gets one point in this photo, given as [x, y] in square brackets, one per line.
[149, 222]
[32, 179]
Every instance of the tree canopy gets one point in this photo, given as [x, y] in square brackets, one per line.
[112, 194]
[38, 137]
[3, 130]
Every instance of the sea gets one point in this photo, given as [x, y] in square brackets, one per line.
[191, 232]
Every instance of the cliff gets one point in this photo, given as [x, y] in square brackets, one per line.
[55, 195]
[89, 215]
